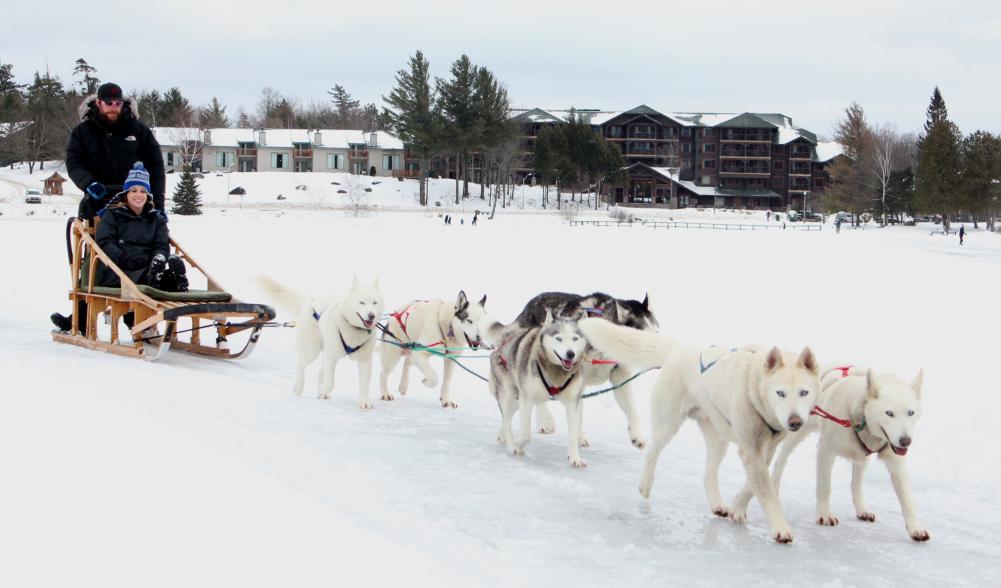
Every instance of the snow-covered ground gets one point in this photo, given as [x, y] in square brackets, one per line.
[195, 472]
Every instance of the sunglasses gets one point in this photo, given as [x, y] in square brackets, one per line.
[112, 102]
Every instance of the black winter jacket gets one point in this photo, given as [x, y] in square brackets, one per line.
[131, 241]
[100, 153]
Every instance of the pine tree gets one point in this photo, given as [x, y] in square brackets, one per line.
[456, 103]
[937, 174]
[11, 96]
[89, 83]
[347, 107]
[981, 152]
[412, 115]
[46, 109]
[177, 110]
[187, 197]
[242, 120]
[213, 116]
[851, 187]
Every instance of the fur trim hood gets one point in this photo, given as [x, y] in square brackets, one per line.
[89, 105]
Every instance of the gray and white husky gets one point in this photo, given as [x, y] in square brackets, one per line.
[432, 323]
[337, 327]
[532, 366]
[628, 313]
[877, 414]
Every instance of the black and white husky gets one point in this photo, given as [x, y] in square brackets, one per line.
[532, 366]
[434, 324]
[627, 313]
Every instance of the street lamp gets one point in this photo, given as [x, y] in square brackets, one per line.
[523, 188]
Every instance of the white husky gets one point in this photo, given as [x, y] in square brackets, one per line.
[865, 414]
[432, 323]
[338, 327]
[750, 397]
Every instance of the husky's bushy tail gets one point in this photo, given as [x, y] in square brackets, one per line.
[493, 332]
[638, 349]
[285, 298]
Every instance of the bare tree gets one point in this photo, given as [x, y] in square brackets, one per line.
[885, 153]
[188, 140]
[357, 196]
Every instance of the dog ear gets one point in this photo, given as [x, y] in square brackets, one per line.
[774, 360]
[461, 301]
[918, 380]
[549, 318]
[871, 392]
[646, 301]
[354, 283]
[375, 285]
[483, 301]
[807, 360]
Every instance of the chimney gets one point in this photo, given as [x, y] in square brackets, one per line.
[318, 138]
[373, 139]
[262, 137]
[208, 137]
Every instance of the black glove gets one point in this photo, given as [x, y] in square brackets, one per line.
[157, 267]
[96, 190]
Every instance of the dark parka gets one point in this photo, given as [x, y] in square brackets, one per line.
[131, 241]
[100, 153]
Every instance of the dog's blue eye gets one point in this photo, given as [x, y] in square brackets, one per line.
[804, 392]
[910, 413]
[560, 339]
[576, 338]
[889, 413]
[781, 393]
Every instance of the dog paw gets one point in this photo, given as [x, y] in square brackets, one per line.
[576, 462]
[518, 451]
[866, 516]
[388, 397]
[739, 515]
[448, 404]
[918, 534]
[639, 442]
[721, 511]
[365, 405]
[547, 429]
[783, 535]
[827, 520]
[430, 382]
[324, 396]
[645, 487]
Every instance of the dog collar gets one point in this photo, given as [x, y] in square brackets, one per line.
[553, 390]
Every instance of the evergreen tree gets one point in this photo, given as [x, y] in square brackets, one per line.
[412, 115]
[187, 197]
[345, 105]
[937, 175]
[177, 110]
[242, 120]
[981, 154]
[89, 83]
[11, 95]
[151, 108]
[48, 134]
[852, 185]
[213, 116]
[456, 103]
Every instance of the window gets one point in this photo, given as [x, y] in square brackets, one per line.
[335, 161]
[709, 164]
[708, 180]
[778, 166]
[707, 132]
[279, 160]
[686, 164]
[778, 150]
[224, 159]
[686, 132]
[818, 182]
[390, 162]
[686, 148]
[170, 158]
[709, 148]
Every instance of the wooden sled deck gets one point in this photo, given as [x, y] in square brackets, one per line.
[157, 314]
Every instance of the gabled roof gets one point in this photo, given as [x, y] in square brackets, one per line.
[537, 115]
[826, 151]
[672, 174]
[748, 120]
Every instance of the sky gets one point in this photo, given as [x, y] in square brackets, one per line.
[808, 60]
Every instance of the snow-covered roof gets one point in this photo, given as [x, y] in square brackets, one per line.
[174, 136]
[231, 137]
[548, 116]
[701, 119]
[828, 150]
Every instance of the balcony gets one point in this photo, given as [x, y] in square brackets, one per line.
[246, 152]
[358, 153]
[799, 155]
[641, 135]
[744, 153]
[302, 153]
[748, 135]
[798, 170]
[745, 170]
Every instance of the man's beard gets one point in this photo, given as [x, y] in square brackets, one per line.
[110, 118]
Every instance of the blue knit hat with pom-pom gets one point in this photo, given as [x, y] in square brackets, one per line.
[138, 176]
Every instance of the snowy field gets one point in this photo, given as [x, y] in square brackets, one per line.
[192, 472]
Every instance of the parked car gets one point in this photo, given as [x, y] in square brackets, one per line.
[33, 197]
[807, 216]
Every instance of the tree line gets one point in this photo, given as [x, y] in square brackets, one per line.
[939, 171]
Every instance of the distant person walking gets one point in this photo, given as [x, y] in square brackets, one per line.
[962, 233]
[837, 225]
[475, 216]
[768, 215]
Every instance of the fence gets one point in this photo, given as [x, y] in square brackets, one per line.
[790, 226]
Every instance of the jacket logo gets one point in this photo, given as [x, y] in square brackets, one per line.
[130, 138]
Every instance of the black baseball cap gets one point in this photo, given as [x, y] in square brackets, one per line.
[109, 91]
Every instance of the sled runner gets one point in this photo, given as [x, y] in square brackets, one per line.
[156, 314]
